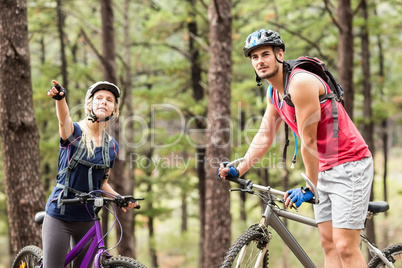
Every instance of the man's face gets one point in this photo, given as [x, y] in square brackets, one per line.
[264, 61]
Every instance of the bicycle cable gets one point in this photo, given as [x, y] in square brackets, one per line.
[116, 219]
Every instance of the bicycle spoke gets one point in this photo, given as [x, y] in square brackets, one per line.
[249, 256]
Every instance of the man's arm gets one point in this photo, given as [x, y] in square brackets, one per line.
[305, 90]
[263, 139]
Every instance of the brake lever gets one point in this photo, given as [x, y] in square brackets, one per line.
[83, 197]
[124, 200]
[242, 190]
[293, 205]
[312, 187]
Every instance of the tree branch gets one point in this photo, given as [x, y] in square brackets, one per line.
[145, 44]
[203, 4]
[199, 41]
[358, 8]
[327, 8]
[313, 44]
[218, 13]
[92, 46]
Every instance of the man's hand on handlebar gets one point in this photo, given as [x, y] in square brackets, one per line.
[297, 196]
[225, 171]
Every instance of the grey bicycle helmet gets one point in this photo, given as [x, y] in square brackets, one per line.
[262, 37]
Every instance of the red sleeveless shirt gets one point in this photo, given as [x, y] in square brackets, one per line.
[349, 146]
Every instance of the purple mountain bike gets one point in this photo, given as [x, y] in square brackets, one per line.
[96, 255]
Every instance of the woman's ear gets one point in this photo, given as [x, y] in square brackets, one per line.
[88, 106]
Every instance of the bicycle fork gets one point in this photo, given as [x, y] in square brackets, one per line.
[263, 247]
[260, 258]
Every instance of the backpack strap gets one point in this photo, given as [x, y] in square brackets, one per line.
[105, 154]
[335, 116]
[332, 96]
[77, 156]
[76, 159]
[270, 89]
[284, 153]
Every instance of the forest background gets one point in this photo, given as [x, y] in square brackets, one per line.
[163, 55]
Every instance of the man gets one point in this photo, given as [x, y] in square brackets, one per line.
[340, 166]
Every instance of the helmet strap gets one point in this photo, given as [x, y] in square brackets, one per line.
[92, 117]
[277, 57]
[258, 80]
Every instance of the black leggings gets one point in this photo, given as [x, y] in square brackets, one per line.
[58, 236]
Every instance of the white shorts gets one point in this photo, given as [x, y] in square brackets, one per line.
[344, 193]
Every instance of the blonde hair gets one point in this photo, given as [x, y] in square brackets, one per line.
[88, 136]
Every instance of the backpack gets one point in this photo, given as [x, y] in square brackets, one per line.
[315, 66]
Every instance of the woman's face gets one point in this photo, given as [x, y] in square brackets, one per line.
[103, 103]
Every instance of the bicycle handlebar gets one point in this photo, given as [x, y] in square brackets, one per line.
[120, 201]
[250, 184]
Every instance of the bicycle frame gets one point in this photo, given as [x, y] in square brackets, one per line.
[93, 238]
[270, 217]
[95, 250]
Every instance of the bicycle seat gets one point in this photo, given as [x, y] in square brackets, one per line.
[378, 206]
[39, 217]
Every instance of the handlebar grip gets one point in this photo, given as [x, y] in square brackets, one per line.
[238, 180]
[70, 201]
[311, 201]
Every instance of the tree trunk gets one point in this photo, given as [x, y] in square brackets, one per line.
[345, 53]
[60, 28]
[201, 165]
[128, 110]
[108, 41]
[285, 187]
[217, 206]
[18, 129]
[184, 215]
[198, 95]
[243, 195]
[151, 233]
[384, 123]
[118, 180]
[368, 126]
[384, 131]
[152, 248]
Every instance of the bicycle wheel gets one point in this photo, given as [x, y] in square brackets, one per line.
[246, 250]
[393, 254]
[28, 257]
[122, 262]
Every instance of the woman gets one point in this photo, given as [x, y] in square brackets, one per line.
[86, 155]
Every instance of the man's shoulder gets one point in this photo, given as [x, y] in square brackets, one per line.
[304, 83]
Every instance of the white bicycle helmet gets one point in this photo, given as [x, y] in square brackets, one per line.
[101, 85]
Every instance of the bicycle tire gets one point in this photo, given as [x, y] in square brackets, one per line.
[393, 254]
[122, 262]
[28, 257]
[254, 239]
